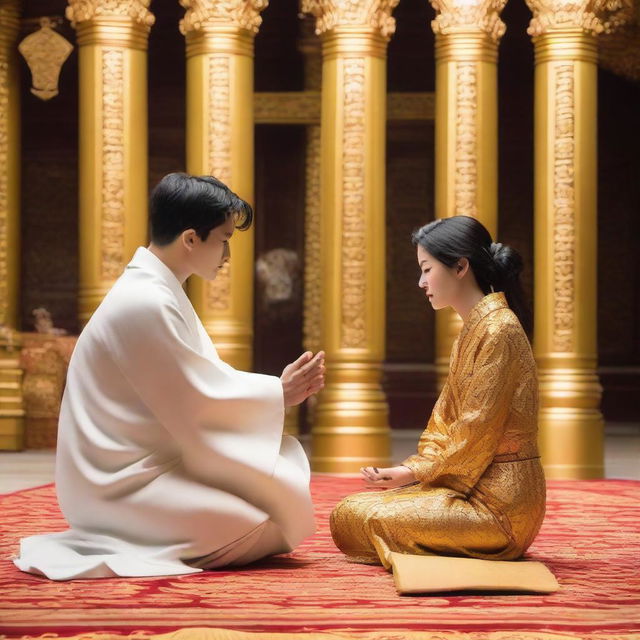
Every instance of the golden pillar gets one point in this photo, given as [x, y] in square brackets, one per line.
[466, 137]
[112, 61]
[11, 405]
[351, 424]
[220, 123]
[311, 49]
[565, 339]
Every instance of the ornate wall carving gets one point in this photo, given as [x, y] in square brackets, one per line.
[591, 16]
[369, 13]
[113, 187]
[480, 15]
[83, 10]
[241, 13]
[466, 178]
[354, 224]
[219, 143]
[564, 210]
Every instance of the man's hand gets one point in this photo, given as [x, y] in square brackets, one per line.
[389, 478]
[302, 378]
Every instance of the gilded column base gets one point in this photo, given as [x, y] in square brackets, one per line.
[11, 402]
[351, 420]
[571, 427]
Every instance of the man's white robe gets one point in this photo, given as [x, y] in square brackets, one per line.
[168, 460]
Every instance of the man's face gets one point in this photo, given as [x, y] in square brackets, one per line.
[210, 255]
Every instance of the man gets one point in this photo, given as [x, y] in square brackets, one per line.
[169, 460]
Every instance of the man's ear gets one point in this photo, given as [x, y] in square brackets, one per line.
[462, 268]
[188, 238]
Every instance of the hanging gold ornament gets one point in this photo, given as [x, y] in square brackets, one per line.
[45, 51]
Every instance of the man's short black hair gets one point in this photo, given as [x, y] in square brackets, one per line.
[181, 201]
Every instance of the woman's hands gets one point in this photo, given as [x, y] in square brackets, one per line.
[388, 478]
[302, 378]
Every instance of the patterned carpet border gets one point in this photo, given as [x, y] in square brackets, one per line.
[590, 540]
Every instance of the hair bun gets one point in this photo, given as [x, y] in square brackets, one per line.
[507, 260]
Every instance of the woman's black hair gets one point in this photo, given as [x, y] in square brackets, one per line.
[493, 264]
[181, 201]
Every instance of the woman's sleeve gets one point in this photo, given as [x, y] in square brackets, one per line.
[456, 453]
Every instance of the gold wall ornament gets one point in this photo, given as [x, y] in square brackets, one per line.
[85, 10]
[590, 16]
[459, 16]
[375, 14]
[45, 51]
[244, 14]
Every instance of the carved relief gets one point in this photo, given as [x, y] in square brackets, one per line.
[45, 51]
[367, 13]
[466, 177]
[113, 214]
[592, 16]
[564, 210]
[312, 230]
[241, 13]
[219, 144]
[477, 15]
[354, 271]
[82, 10]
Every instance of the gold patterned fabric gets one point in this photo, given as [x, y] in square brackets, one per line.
[481, 488]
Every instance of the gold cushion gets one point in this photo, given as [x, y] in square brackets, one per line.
[429, 574]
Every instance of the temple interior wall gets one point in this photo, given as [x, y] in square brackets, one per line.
[49, 210]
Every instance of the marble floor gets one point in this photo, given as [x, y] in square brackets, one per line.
[31, 468]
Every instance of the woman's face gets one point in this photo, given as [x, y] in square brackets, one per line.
[439, 282]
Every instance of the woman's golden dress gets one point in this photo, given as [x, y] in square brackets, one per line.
[481, 488]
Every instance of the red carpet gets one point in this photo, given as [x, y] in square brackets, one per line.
[590, 540]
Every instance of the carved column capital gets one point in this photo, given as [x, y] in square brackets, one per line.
[242, 14]
[84, 10]
[115, 23]
[589, 16]
[372, 14]
[464, 16]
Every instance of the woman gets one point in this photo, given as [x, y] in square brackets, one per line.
[476, 486]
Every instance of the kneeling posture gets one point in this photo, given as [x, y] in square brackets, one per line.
[476, 486]
[169, 460]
